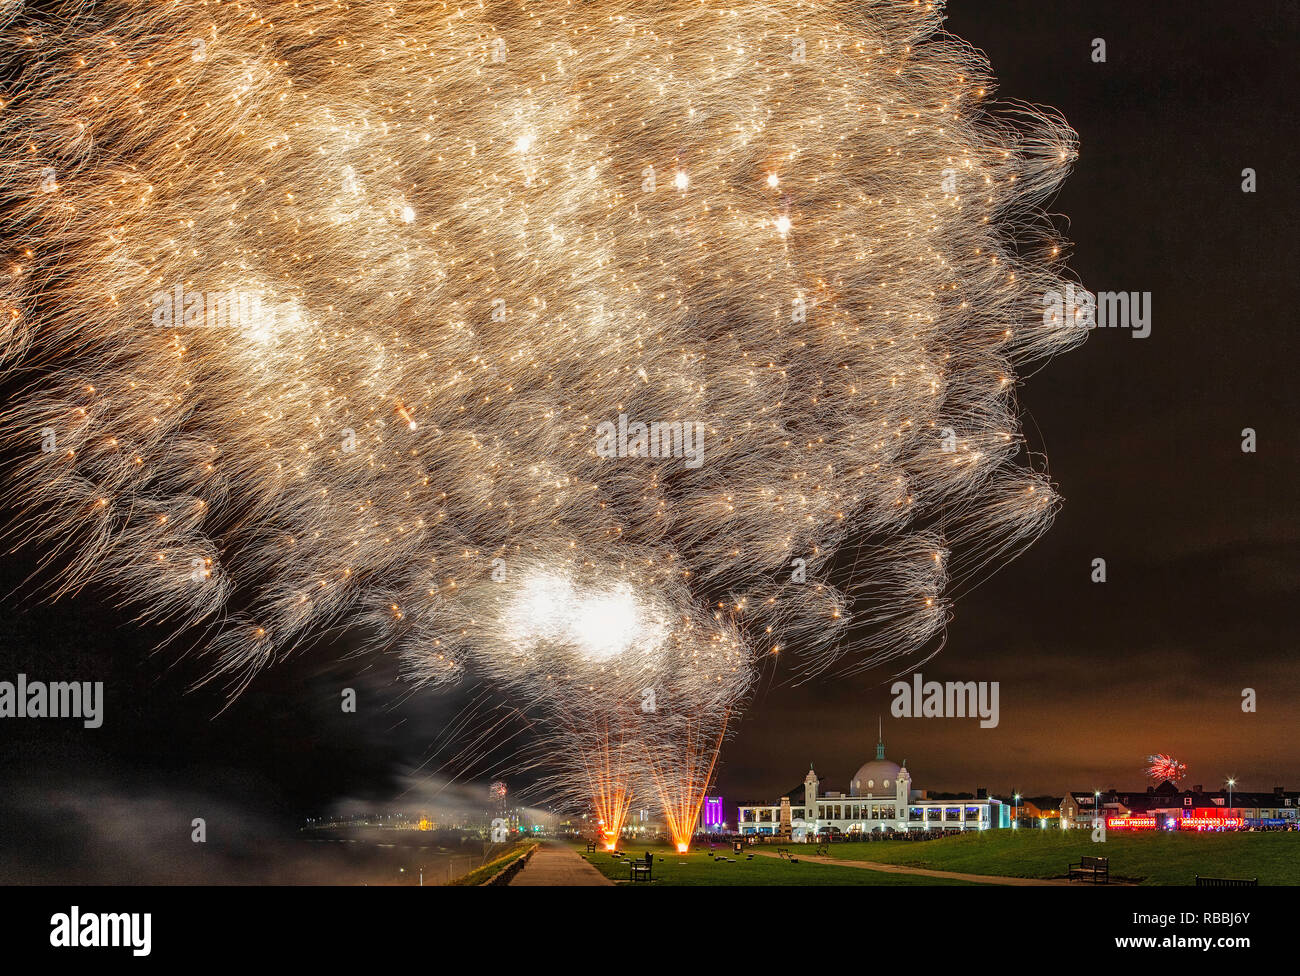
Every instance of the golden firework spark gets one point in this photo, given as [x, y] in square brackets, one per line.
[315, 314]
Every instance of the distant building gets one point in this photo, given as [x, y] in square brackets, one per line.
[712, 818]
[1167, 807]
[880, 798]
[644, 824]
[1032, 811]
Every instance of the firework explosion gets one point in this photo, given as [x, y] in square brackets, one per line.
[1161, 767]
[329, 315]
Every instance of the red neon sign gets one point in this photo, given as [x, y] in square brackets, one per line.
[1131, 823]
[1198, 823]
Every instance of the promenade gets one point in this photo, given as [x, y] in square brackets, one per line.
[559, 865]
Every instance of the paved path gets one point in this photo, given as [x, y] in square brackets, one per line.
[908, 869]
[559, 864]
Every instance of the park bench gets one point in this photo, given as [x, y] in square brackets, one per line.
[1095, 868]
[784, 854]
[591, 848]
[1226, 882]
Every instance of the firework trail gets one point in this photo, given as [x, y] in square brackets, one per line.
[591, 349]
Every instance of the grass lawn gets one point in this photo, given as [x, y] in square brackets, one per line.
[1153, 858]
[698, 868]
[479, 875]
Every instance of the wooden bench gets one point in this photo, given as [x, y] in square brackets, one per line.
[1226, 882]
[591, 848]
[1095, 868]
[784, 854]
[641, 871]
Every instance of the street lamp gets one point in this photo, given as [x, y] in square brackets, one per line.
[1015, 816]
[1096, 808]
[1231, 783]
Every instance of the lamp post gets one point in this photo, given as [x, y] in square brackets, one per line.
[1015, 815]
[1096, 808]
[1231, 783]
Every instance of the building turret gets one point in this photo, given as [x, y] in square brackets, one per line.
[902, 795]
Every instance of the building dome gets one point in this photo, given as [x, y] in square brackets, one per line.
[876, 777]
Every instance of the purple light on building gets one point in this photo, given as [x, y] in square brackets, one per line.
[713, 816]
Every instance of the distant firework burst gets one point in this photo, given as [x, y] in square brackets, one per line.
[1161, 767]
[603, 351]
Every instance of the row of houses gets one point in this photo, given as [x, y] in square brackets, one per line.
[1168, 807]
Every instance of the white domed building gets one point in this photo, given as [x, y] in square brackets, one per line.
[880, 798]
[877, 777]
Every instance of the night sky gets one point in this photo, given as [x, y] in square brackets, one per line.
[1141, 436]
